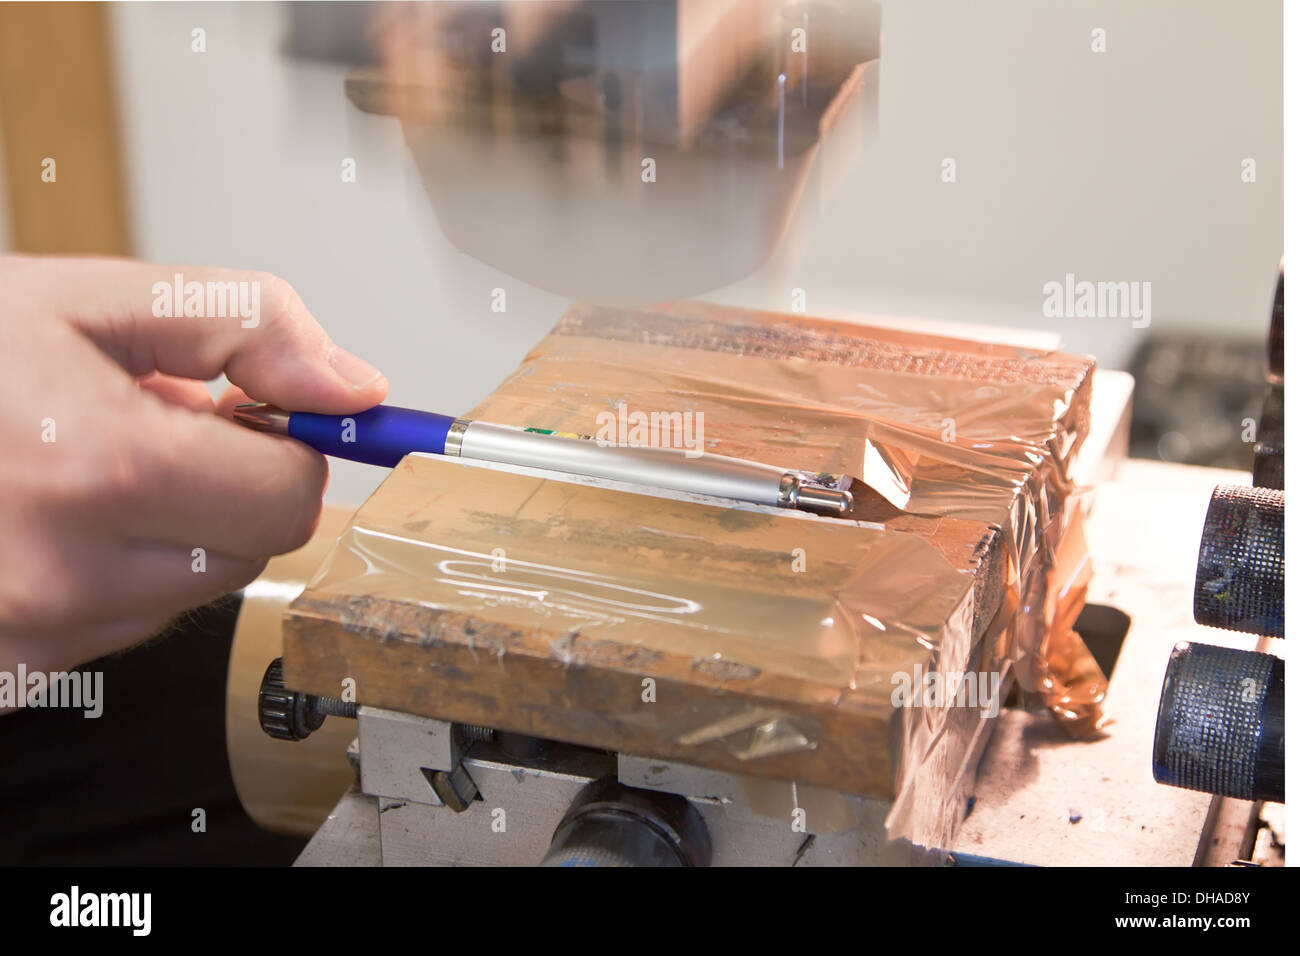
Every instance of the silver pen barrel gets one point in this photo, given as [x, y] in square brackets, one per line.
[667, 468]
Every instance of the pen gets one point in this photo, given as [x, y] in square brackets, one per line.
[385, 434]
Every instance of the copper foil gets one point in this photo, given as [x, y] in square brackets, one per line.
[968, 444]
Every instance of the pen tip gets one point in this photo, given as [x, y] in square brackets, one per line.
[262, 417]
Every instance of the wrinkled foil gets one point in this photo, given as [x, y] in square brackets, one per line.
[951, 435]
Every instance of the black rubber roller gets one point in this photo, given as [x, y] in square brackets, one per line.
[1220, 727]
[1240, 570]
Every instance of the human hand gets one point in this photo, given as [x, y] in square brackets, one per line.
[117, 466]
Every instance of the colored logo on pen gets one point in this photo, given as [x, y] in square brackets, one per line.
[548, 431]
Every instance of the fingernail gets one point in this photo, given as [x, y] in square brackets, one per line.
[352, 369]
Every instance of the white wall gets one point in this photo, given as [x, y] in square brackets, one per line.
[1116, 166]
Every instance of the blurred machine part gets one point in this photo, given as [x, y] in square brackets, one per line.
[1269, 471]
[620, 152]
[1197, 400]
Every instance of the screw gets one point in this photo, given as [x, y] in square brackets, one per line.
[472, 733]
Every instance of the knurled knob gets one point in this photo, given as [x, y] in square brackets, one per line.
[1220, 726]
[285, 714]
[1241, 567]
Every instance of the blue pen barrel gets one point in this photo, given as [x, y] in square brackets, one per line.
[380, 436]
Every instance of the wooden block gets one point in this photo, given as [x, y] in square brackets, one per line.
[775, 641]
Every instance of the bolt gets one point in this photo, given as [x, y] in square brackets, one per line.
[332, 706]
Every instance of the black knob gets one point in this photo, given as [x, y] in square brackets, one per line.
[1220, 726]
[1241, 568]
[290, 715]
[609, 824]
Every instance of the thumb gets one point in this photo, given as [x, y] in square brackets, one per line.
[265, 340]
